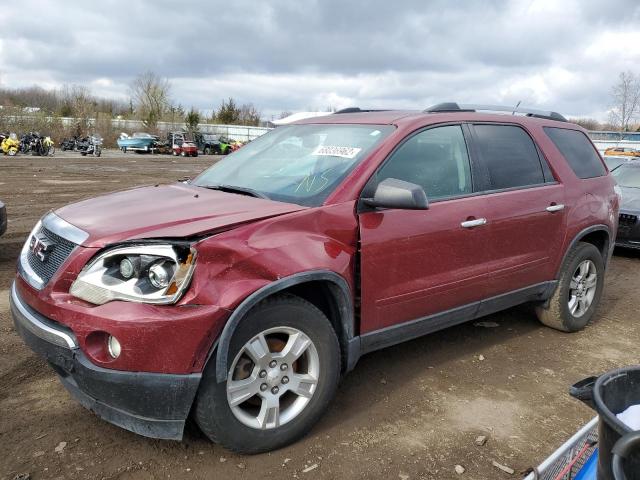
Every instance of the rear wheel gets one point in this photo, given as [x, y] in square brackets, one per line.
[284, 363]
[578, 293]
[206, 151]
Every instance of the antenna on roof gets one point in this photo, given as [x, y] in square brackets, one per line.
[517, 105]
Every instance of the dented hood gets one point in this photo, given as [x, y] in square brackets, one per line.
[175, 211]
[630, 200]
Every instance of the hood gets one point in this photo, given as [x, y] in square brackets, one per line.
[630, 199]
[166, 211]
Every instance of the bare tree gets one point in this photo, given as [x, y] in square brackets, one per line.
[150, 94]
[249, 115]
[625, 97]
[588, 123]
[78, 102]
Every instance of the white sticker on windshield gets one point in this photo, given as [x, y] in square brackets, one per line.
[330, 151]
[375, 133]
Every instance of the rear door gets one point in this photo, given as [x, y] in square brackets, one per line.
[525, 208]
[415, 263]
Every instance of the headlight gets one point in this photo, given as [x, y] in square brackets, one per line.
[143, 273]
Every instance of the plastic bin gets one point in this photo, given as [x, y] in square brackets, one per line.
[618, 446]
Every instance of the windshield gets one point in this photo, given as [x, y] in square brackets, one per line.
[627, 176]
[299, 164]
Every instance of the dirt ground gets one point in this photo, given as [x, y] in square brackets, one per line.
[408, 412]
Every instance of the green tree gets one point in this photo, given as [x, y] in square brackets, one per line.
[192, 119]
[228, 113]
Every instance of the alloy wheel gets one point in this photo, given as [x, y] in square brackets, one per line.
[582, 288]
[273, 378]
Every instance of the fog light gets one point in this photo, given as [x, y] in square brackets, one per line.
[127, 269]
[159, 275]
[113, 346]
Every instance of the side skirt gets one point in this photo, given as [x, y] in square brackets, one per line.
[395, 334]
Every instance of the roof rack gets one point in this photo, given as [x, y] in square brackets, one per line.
[529, 112]
[359, 110]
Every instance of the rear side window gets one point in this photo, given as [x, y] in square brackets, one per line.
[576, 148]
[509, 155]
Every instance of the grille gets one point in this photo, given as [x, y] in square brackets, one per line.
[626, 220]
[62, 248]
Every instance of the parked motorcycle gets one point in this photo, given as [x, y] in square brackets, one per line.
[25, 142]
[10, 144]
[41, 145]
[92, 146]
[69, 143]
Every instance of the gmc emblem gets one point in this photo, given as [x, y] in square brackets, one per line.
[41, 247]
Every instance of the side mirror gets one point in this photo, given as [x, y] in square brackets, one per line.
[394, 193]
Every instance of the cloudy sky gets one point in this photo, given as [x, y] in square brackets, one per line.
[297, 55]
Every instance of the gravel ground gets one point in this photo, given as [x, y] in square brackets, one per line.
[408, 412]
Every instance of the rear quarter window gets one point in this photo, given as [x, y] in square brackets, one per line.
[576, 148]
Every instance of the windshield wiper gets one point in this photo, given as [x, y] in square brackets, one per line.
[240, 190]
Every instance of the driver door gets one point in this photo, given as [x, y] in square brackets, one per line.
[419, 263]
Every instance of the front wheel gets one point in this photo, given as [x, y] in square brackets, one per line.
[284, 363]
[578, 293]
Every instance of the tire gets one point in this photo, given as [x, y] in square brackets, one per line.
[195, 154]
[183, 154]
[174, 153]
[84, 154]
[556, 312]
[12, 152]
[229, 425]
[206, 151]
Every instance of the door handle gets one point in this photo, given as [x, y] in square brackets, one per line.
[474, 223]
[555, 208]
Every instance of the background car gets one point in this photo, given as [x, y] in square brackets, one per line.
[181, 145]
[627, 176]
[184, 148]
[3, 218]
[622, 151]
[614, 161]
[207, 143]
[212, 144]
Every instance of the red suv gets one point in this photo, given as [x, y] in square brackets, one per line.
[242, 296]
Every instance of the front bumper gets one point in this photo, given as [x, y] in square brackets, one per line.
[150, 404]
[3, 218]
[628, 235]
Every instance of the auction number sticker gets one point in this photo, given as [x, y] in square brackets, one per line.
[330, 151]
